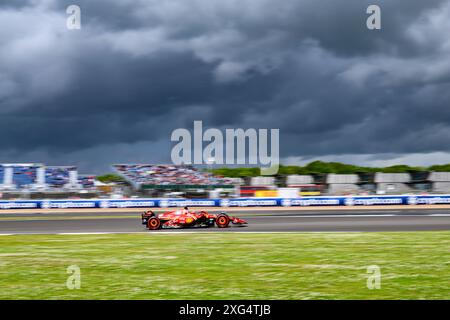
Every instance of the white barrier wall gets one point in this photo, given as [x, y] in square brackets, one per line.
[299, 179]
[8, 178]
[288, 192]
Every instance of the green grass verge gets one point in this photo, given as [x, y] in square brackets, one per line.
[414, 265]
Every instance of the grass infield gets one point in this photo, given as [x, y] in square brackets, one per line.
[414, 265]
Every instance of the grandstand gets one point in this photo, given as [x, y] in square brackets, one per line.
[236, 181]
[393, 182]
[367, 182]
[36, 177]
[351, 184]
[87, 181]
[262, 181]
[298, 180]
[305, 183]
[169, 177]
[343, 183]
[440, 181]
[20, 179]
[18, 176]
[57, 177]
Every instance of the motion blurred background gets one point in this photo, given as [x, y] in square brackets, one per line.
[33, 181]
[75, 102]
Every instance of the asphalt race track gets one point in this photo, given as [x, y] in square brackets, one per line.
[259, 221]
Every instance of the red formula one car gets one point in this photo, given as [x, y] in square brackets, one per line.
[185, 219]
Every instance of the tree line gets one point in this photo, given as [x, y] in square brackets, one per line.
[315, 167]
[318, 167]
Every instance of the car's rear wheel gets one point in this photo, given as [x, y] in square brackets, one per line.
[222, 220]
[154, 223]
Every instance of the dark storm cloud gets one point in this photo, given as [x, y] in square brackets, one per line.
[139, 69]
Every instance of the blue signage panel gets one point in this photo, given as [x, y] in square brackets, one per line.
[234, 202]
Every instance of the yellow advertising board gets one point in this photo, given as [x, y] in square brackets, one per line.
[309, 193]
[266, 193]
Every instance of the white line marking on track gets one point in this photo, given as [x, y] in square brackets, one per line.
[379, 211]
[338, 216]
[359, 216]
[96, 233]
[170, 232]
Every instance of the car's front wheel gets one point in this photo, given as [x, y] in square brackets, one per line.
[222, 220]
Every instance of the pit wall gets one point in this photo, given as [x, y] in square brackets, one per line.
[236, 202]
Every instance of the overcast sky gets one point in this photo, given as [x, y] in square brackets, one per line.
[138, 69]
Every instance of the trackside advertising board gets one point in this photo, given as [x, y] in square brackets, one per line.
[236, 202]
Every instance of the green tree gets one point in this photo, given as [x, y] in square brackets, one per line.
[110, 177]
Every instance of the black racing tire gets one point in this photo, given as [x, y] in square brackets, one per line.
[153, 223]
[222, 220]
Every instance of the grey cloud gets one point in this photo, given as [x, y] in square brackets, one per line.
[139, 69]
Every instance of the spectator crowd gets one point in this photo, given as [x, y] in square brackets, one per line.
[168, 175]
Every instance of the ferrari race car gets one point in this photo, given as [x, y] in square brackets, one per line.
[187, 219]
